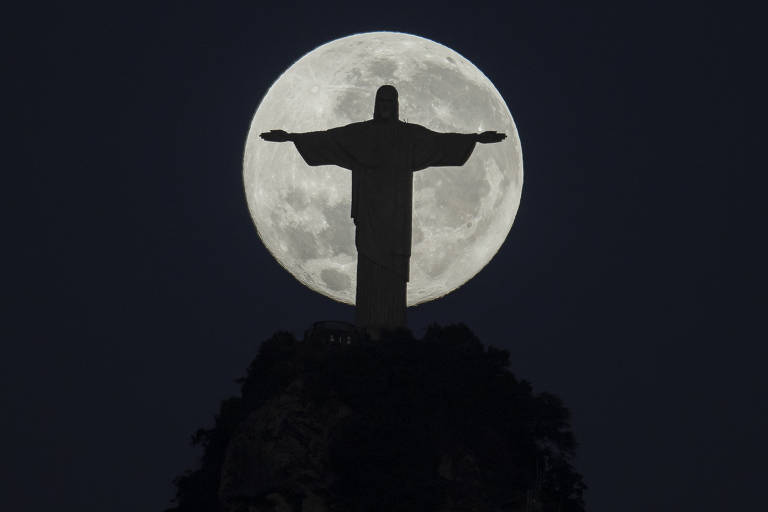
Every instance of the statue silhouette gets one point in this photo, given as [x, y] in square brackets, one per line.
[382, 154]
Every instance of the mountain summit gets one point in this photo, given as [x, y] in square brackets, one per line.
[329, 423]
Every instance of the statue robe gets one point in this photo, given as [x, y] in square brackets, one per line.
[382, 156]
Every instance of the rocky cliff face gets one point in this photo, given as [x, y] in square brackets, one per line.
[437, 424]
[277, 460]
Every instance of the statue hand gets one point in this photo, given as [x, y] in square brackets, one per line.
[490, 137]
[276, 136]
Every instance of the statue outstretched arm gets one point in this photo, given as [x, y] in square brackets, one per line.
[276, 136]
[436, 149]
[490, 137]
[326, 147]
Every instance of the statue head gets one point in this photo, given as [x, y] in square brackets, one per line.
[386, 107]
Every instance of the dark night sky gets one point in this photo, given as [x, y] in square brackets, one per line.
[630, 283]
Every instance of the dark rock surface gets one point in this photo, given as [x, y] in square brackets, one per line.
[400, 424]
[280, 453]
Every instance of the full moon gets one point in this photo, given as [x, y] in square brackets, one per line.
[461, 215]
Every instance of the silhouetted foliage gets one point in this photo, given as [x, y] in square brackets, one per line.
[420, 408]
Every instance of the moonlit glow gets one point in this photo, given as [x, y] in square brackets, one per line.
[461, 215]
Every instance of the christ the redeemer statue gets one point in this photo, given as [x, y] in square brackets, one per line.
[383, 153]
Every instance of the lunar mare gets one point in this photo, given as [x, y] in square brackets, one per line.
[461, 215]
